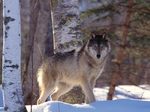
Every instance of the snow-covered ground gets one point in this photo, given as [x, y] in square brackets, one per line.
[127, 98]
[141, 92]
[1, 97]
[98, 106]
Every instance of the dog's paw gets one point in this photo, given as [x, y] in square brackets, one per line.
[39, 101]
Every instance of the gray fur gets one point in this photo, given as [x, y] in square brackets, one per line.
[60, 73]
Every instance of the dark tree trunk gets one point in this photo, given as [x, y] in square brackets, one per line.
[40, 46]
[121, 53]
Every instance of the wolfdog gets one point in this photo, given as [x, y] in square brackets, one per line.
[61, 72]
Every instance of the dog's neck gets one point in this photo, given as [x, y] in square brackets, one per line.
[91, 61]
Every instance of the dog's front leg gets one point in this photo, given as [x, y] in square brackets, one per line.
[85, 85]
[92, 85]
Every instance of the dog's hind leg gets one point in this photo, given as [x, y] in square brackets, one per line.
[62, 89]
[46, 89]
[45, 92]
[87, 89]
[43, 96]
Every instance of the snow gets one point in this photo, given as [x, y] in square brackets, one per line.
[1, 97]
[128, 98]
[103, 106]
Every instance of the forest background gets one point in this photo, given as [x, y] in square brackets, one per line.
[126, 22]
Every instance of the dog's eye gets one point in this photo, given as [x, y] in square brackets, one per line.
[95, 47]
[102, 46]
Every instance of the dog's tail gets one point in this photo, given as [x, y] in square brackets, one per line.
[40, 76]
[46, 77]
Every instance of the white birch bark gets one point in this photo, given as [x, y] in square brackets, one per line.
[66, 25]
[13, 99]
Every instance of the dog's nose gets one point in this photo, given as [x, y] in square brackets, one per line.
[98, 56]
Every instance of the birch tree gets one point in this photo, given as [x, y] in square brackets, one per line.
[13, 99]
[66, 24]
[67, 34]
[1, 38]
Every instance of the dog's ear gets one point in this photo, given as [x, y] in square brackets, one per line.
[104, 35]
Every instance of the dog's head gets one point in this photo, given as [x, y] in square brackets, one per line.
[98, 46]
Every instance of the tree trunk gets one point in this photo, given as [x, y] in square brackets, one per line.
[1, 38]
[66, 25]
[41, 46]
[121, 53]
[67, 35]
[13, 98]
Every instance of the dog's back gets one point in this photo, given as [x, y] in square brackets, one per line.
[55, 66]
